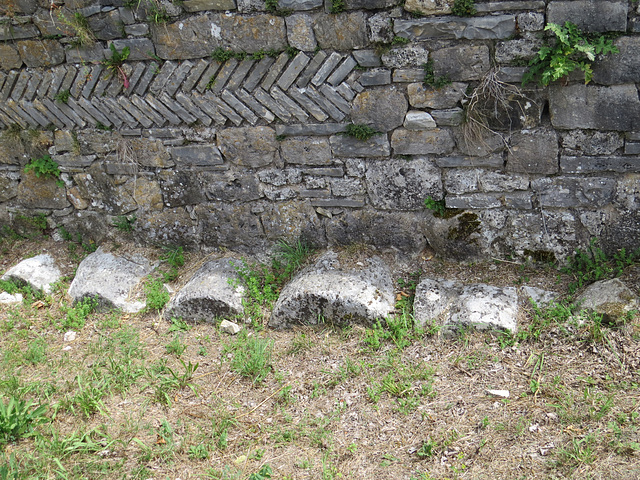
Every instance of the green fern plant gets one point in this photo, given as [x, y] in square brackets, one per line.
[572, 50]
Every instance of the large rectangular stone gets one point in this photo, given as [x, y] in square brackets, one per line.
[590, 15]
[200, 5]
[492, 161]
[508, 6]
[293, 70]
[14, 32]
[310, 129]
[256, 106]
[574, 192]
[422, 142]
[474, 28]
[377, 76]
[313, 108]
[474, 200]
[594, 107]
[346, 146]
[631, 148]
[197, 155]
[623, 67]
[600, 164]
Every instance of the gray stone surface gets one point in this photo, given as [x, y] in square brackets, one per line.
[592, 15]
[9, 57]
[541, 297]
[401, 184]
[213, 292]
[429, 7]
[345, 146]
[610, 298]
[249, 146]
[380, 28]
[417, 120]
[231, 226]
[111, 280]
[454, 305]
[622, 67]
[40, 53]
[341, 32]
[382, 108]
[533, 151]
[34, 192]
[40, 272]
[327, 292]
[306, 151]
[197, 155]
[422, 142]
[574, 192]
[476, 28]
[462, 63]
[448, 118]
[521, 49]
[199, 5]
[367, 58]
[530, 21]
[405, 57]
[299, 4]
[300, 32]
[602, 108]
[585, 142]
[376, 76]
[423, 96]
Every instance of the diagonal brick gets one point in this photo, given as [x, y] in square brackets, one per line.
[176, 108]
[193, 109]
[239, 107]
[308, 104]
[178, 76]
[45, 84]
[224, 75]
[159, 81]
[255, 106]
[147, 110]
[32, 88]
[135, 77]
[328, 107]
[92, 81]
[225, 109]
[2, 77]
[11, 117]
[289, 104]
[56, 81]
[239, 75]
[81, 111]
[210, 109]
[59, 114]
[335, 98]
[80, 81]
[327, 67]
[342, 71]
[54, 119]
[345, 90]
[135, 112]
[293, 70]
[95, 113]
[103, 83]
[146, 78]
[311, 69]
[8, 120]
[274, 71]
[35, 114]
[265, 99]
[194, 75]
[67, 82]
[258, 73]
[9, 81]
[207, 76]
[102, 107]
[20, 85]
[11, 104]
[120, 112]
[162, 110]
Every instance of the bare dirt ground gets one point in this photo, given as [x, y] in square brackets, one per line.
[125, 400]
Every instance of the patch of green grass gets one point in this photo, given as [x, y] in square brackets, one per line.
[174, 258]
[251, 356]
[337, 6]
[360, 132]
[176, 346]
[438, 207]
[18, 418]
[157, 295]
[124, 223]
[430, 78]
[76, 316]
[464, 8]
[62, 96]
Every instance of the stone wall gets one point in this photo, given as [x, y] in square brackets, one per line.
[242, 150]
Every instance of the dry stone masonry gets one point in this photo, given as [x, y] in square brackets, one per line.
[248, 146]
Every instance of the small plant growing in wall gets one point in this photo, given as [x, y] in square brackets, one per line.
[431, 79]
[361, 132]
[124, 223]
[44, 167]
[115, 62]
[83, 35]
[62, 96]
[463, 8]
[436, 206]
[337, 6]
[572, 50]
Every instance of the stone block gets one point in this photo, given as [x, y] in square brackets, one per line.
[424, 96]
[367, 58]
[491, 181]
[530, 21]
[459, 181]
[590, 15]
[40, 53]
[570, 192]
[93, 53]
[8, 186]
[200, 5]
[369, 4]
[462, 63]
[382, 108]
[12, 32]
[374, 77]
[250, 146]
[521, 49]
[230, 186]
[139, 48]
[450, 28]
[9, 57]
[615, 107]
[300, 32]
[533, 151]
[180, 187]
[588, 142]
[346, 187]
[422, 142]
[416, 120]
[341, 32]
[502, 6]
[448, 118]
[474, 201]
[306, 151]
[399, 184]
[345, 146]
[107, 25]
[279, 177]
[631, 148]
[406, 57]
[491, 161]
[197, 155]
[41, 192]
[620, 164]
[622, 67]
[628, 192]
[380, 28]
[230, 226]
[407, 75]
[292, 221]
[429, 7]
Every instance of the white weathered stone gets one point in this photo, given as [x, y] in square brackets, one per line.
[416, 120]
[8, 298]
[40, 272]
[110, 280]
[498, 393]
[610, 298]
[69, 336]
[327, 292]
[541, 297]
[229, 327]
[212, 292]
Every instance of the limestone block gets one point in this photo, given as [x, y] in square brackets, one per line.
[341, 32]
[180, 187]
[9, 57]
[475, 28]
[306, 151]
[110, 279]
[533, 151]
[93, 53]
[369, 4]
[106, 26]
[300, 32]
[402, 185]
[168, 227]
[422, 142]
[13, 32]
[40, 272]
[590, 15]
[586, 142]
[380, 28]
[459, 181]
[622, 67]
[249, 146]
[610, 298]
[299, 4]
[197, 155]
[462, 63]
[424, 96]
[593, 107]
[9, 186]
[345, 146]
[139, 48]
[530, 21]
[628, 191]
[213, 292]
[147, 194]
[327, 292]
[40, 53]
[291, 221]
[382, 108]
[517, 50]
[230, 226]
[230, 186]
[417, 120]
[429, 7]
[34, 192]
[411, 56]
[574, 192]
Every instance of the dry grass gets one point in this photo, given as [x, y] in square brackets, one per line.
[330, 406]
